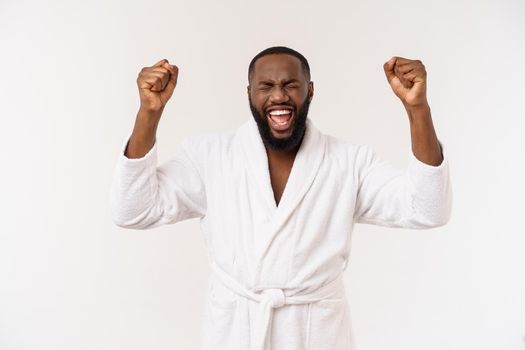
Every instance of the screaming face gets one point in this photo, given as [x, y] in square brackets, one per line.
[279, 98]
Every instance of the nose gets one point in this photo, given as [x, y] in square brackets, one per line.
[278, 95]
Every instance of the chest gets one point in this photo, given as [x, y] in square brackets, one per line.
[279, 174]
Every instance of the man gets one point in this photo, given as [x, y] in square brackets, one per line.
[278, 199]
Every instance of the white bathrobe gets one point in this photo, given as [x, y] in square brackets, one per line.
[276, 279]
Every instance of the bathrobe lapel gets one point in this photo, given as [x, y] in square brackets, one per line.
[304, 170]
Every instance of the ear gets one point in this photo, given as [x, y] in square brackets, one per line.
[311, 90]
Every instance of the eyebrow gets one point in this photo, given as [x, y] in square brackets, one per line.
[271, 82]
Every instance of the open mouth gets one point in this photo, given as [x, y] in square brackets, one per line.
[280, 119]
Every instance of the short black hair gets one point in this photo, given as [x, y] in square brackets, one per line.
[280, 50]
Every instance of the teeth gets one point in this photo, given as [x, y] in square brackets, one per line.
[280, 112]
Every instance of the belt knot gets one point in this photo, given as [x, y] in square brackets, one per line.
[273, 297]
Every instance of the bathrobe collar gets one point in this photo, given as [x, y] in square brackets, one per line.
[304, 169]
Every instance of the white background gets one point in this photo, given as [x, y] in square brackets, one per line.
[71, 279]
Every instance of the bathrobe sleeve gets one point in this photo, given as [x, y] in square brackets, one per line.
[145, 195]
[418, 198]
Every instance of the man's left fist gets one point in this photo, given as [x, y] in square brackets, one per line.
[408, 79]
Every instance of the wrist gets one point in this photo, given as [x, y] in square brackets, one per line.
[146, 124]
[419, 106]
[150, 112]
[148, 120]
[418, 112]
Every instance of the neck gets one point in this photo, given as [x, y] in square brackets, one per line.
[282, 155]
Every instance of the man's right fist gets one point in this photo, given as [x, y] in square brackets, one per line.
[156, 85]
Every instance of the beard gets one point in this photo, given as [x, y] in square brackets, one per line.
[292, 141]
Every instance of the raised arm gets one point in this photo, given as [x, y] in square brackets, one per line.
[421, 196]
[144, 195]
[408, 80]
[156, 85]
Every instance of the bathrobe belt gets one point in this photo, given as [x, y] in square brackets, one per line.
[269, 299]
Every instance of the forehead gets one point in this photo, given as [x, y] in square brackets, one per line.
[277, 67]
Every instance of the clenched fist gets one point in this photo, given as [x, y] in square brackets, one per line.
[408, 79]
[156, 85]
